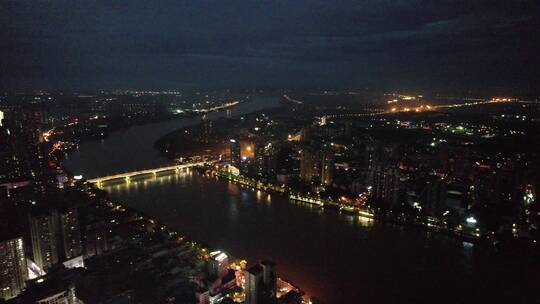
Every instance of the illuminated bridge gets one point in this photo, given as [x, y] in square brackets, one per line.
[128, 175]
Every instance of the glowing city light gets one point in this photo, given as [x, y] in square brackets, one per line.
[471, 220]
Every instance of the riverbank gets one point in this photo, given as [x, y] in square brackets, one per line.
[94, 158]
[326, 252]
[167, 237]
[472, 236]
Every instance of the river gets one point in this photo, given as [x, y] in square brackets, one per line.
[337, 258]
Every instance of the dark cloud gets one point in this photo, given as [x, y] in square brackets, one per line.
[400, 43]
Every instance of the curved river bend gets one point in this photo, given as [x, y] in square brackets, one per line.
[335, 257]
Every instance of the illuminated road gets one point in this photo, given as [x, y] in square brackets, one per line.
[426, 108]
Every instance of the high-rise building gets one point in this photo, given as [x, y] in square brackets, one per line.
[218, 264]
[235, 152]
[254, 285]
[327, 169]
[305, 134]
[309, 165]
[95, 238]
[13, 272]
[71, 234]
[14, 165]
[282, 161]
[385, 186]
[316, 166]
[262, 152]
[44, 236]
[371, 154]
[55, 236]
[269, 279]
[434, 195]
[261, 282]
[208, 128]
[23, 154]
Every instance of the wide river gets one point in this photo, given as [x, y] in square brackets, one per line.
[337, 258]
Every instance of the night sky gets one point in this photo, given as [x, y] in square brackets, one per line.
[400, 44]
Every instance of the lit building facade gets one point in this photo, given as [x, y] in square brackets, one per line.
[235, 152]
[13, 271]
[385, 189]
[218, 264]
[43, 232]
[71, 235]
[316, 166]
[327, 169]
[309, 165]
